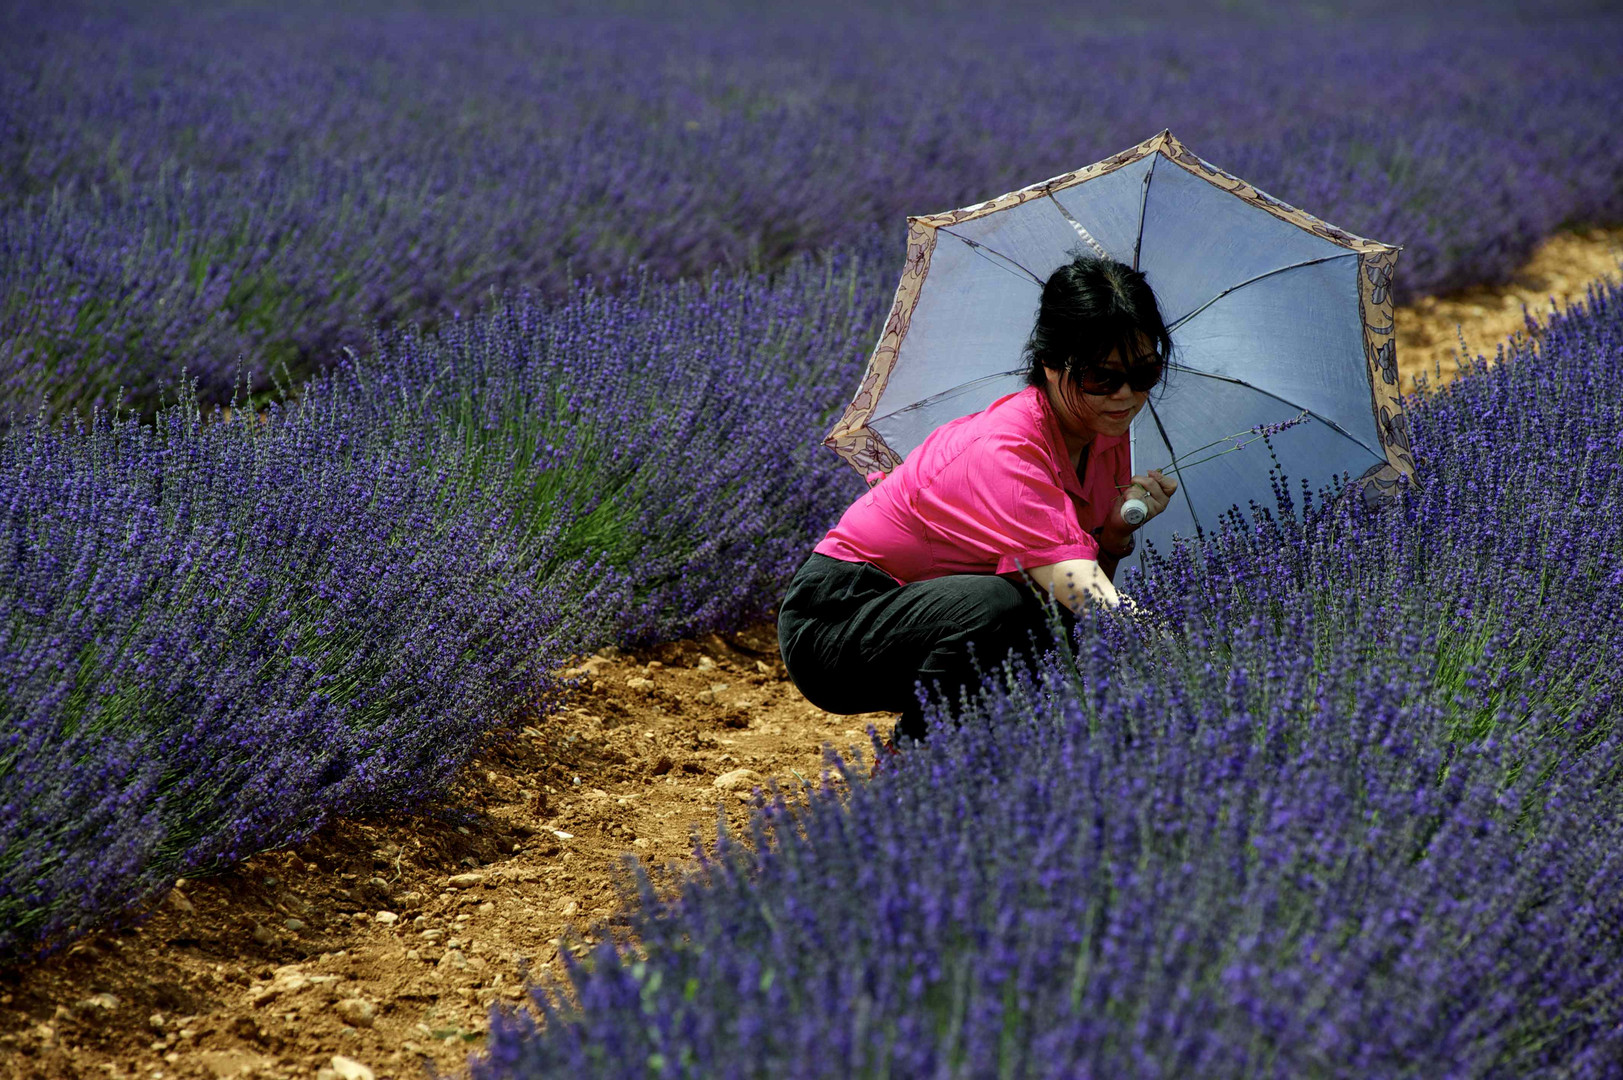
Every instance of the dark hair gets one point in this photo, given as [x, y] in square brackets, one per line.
[1091, 306]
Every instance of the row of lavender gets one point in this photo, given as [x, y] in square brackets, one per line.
[215, 636]
[199, 187]
[1343, 800]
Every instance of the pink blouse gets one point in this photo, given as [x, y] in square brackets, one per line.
[985, 494]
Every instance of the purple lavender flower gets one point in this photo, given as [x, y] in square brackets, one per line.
[1267, 430]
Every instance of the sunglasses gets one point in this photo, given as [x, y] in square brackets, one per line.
[1106, 381]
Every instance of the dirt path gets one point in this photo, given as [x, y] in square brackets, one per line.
[378, 947]
[386, 942]
[1563, 267]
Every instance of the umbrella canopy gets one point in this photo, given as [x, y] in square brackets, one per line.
[1272, 313]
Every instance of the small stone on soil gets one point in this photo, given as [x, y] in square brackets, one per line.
[346, 1068]
[737, 778]
[356, 1011]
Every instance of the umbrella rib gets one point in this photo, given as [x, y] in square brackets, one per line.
[1326, 421]
[1143, 205]
[986, 253]
[1183, 485]
[1087, 237]
[1259, 277]
[933, 398]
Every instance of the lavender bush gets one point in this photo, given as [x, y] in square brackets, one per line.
[191, 187]
[1341, 800]
[669, 433]
[217, 636]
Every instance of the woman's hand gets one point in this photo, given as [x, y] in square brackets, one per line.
[1115, 536]
[1155, 490]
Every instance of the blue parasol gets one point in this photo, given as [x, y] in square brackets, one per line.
[1274, 315]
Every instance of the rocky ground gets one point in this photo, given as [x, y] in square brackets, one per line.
[377, 949]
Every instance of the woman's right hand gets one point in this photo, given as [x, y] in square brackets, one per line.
[1154, 489]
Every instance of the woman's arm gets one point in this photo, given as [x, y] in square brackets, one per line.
[1076, 583]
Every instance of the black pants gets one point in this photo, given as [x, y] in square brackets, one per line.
[856, 641]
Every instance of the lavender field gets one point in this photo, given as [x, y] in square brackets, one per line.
[337, 608]
[249, 188]
[529, 320]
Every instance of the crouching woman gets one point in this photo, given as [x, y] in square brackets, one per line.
[947, 566]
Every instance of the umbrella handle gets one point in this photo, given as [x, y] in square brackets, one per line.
[1134, 511]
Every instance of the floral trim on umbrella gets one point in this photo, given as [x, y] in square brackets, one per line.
[1180, 155]
[1381, 352]
[1378, 483]
[1056, 183]
[864, 448]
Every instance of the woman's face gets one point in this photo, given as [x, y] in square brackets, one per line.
[1083, 414]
